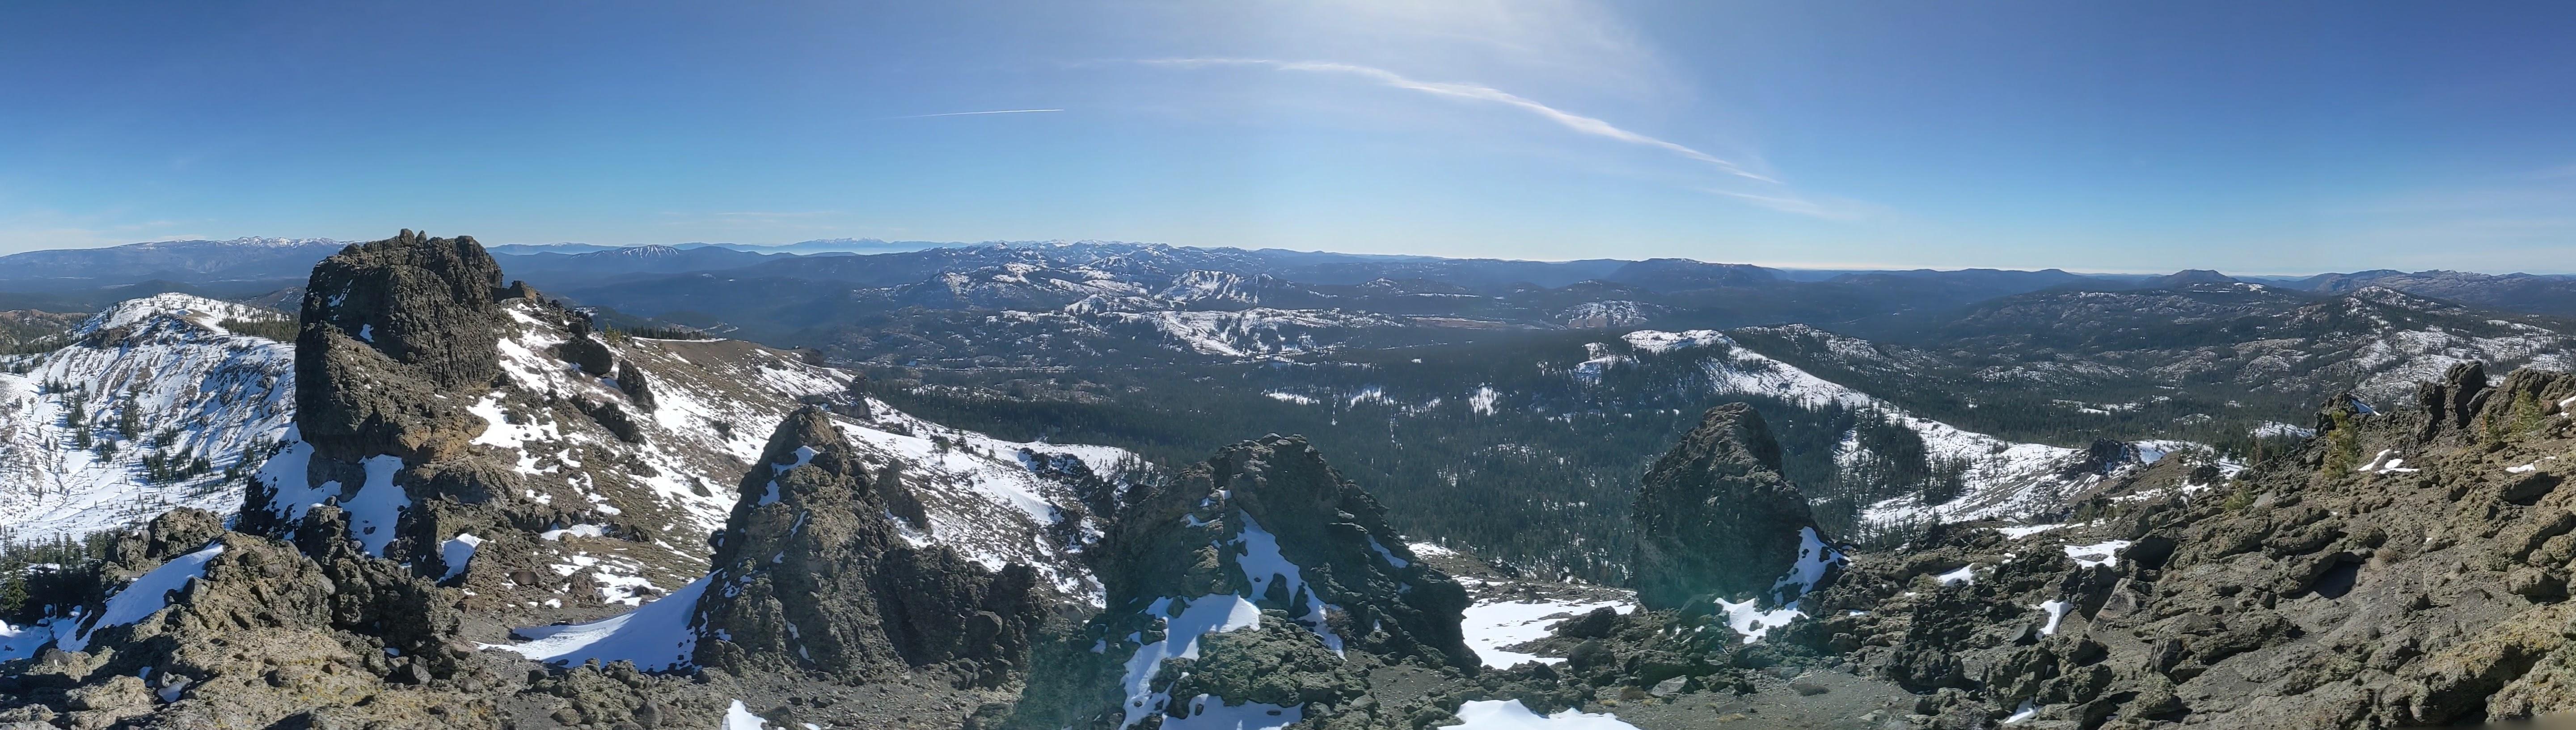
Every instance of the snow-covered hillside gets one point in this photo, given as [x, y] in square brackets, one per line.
[2003, 479]
[2399, 356]
[156, 380]
[619, 477]
[195, 389]
[1258, 331]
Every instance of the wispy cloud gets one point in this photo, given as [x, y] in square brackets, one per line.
[730, 220]
[969, 114]
[776, 213]
[1579, 123]
[1791, 203]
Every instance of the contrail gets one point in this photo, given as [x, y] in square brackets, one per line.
[960, 114]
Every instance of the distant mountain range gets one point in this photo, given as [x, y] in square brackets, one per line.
[816, 246]
[245, 267]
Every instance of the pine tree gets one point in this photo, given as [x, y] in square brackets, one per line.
[129, 421]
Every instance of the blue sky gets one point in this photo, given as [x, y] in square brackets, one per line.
[2091, 136]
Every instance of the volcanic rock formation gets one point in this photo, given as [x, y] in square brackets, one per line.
[813, 573]
[1716, 518]
[1257, 579]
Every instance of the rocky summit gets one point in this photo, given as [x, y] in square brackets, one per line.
[1716, 518]
[1259, 581]
[814, 572]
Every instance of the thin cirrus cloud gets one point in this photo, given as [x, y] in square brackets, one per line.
[1569, 120]
[1845, 210]
[969, 114]
[1782, 200]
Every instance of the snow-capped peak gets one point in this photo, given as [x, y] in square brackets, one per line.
[246, 241]
[172, 308]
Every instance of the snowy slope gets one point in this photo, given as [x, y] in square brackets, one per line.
[634, 506]
[1256, 331]
[2003, 478]
[992, 501]
[636, 487]
[167, 358]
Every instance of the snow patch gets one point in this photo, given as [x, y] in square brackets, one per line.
[2026, 711]
[738, 717]
[2056, 611]
[1210, 712]
[456, 552]
[1262, 563]
[2277, 429]
[656, 636]
[2017, 532]
[2097, 554]
[146, 596]
[377, 505]
[1286, 397]
[1512, 715]
[1491, 626]
[1200, 616]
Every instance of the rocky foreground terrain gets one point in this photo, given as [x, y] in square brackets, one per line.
[425, 548]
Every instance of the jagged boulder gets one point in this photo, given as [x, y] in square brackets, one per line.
[637, 387]
[1715, 517]
[2450, 403]
[813, 574]
[1266, 545]
[585, 350]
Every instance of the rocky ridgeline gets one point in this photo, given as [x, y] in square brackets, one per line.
[814, 574]
[414, 514]
[1260, 584]
[490, 440]
[2403, 568]
[213, 628]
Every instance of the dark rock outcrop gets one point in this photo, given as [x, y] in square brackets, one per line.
[637, 387]
[1320, 523]
[386, 327]
[2450, 404]
[585, 350]
[2103, 457]
[1262, 527]
[263, 633]
[814, 575]
[1715, 516]
[2404, 568]
[398, 335]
